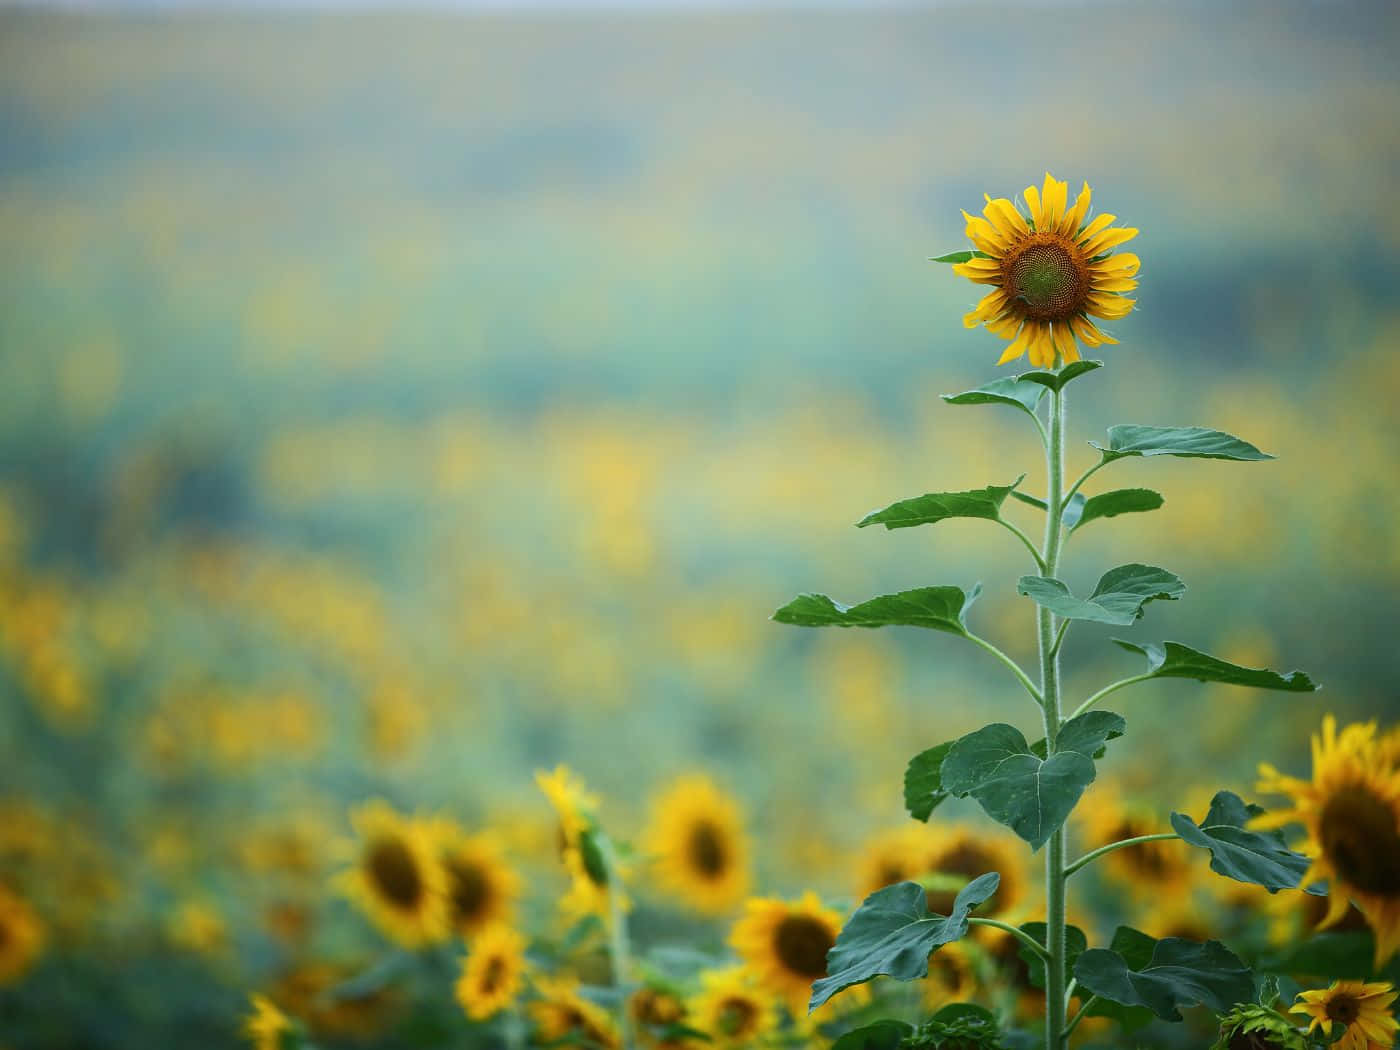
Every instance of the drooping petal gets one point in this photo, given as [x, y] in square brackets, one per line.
[992, 304]
[1017, 347]
[1064, 342]
[1042, 353]
[1088, 332]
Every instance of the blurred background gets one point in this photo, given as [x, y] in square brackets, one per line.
[393, 404]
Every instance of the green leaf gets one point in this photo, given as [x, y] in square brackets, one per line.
[1112, 504]
[1057, 380]
[1118, 599]
[1004, 391]
[1259, 857]
[960, 257]
[1018, 788]
[1178, 973]
[886, 1034]
[1136, 949]
[923, 781]
[937, 506]
[894, 933]
[937, 608]
[1075, 943]
[1130, 439]
[1174, 660]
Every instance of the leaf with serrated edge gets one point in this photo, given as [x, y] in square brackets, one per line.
[1174, 660]
[923, 783]
[893, 932]
[1118, 599]
[1004, 391]
[1112, 504]
[1131, 439]
[934, 507]
[1179, 973]
[1259, 857]
[937, 608]
[1016, 787]
[1057, 380]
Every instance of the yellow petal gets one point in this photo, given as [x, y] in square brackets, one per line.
[1110, 307]
[1076, 214]
[1124, 262]
[984, 235]
[980, 274]
[1099, 222]
[992, 304]
[1114, 284]
[1033, 204]
[1053, 198]
[1017, 346]
[1004, 326]
[1089, 332]
[1003, 214]
[1063, 339]
[1108, 239]
[1042, 351]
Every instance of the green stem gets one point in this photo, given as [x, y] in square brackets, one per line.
[1113, 688]
[1070, 990]
[1011, 665]
[1039, 562]
[1094, 855]
[1083, 1010]
[1060, 636]
[1050, 707]
[1021, 935]
[1082, 478]
[617, 939]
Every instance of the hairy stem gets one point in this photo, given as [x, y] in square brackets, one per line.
[1021, 935]
[1094, 855]
[1111, 688]
[1039, 563]
[1011, 665]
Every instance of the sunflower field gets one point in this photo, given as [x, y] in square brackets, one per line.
[415, 429]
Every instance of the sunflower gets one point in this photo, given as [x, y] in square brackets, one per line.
[697, 843]
[1351, 810]
[481, 887]
[572, 802]
[1363, 1011]
[1158, 870]
[959, 855]
[894, 855]
[659, 1013]
[493, 973]
[266, 1025]
[561, 1011]
[21, 936]
[951, 976]
[785, 945]
[1050, 272]
[398, 880]
[731, 1009]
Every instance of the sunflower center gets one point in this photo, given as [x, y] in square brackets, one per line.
[1048, 278]
[395, 871]
[736, 1017]
[470, 890]
[968, 860]
[1360, 837]
[1343, 1009]
[802, 943]
[707, 850]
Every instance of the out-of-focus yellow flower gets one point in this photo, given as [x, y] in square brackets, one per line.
[561, 1011]
[196, 926]
[1158, 870]
[1362, 1010]
[21, 936]
[784, 944]
[266, 1026]
[962, 854]
[1049, 272]
[398, 879]
[732, 1009]
[481, 886]
[492, 974]
[697, 844]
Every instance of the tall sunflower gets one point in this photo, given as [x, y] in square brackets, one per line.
[398, 879]
[492, 975]
[481, 886]
[1051, 269]
[1351, 810]
[696, 839]
[1363, 1011]
[785, 943]
[21, 936]
[732, 1010]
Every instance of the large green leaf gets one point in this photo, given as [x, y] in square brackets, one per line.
[923, 781]
[1030, 794]
[937, 506]
[1110, 505]
[1057, 380]
[959, 257]
[1130, 439]
[1260, 857]
[1174, 660]
[1004, 391]
[1135, 947]
[885, 1034]
[1075, 944]
[1179, 973]
[894, 933]
[1118, 599]
[937, 608]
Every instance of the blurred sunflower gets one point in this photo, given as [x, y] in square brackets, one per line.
[785, 943]
[560, 1012]
[492, 975]
[951, 977]
[1351, 810]
[696, 839]
[1051, 270]
[481, 886]
[1158, 870]
[267, 1025]
[590, 882]
[961, 854]
[732, 1010]
[657, 1011]
[573, 804]
[398, 879]
[1362, 1010]
[894, 855]
[21, 936]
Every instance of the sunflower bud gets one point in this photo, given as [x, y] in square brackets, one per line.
[1257, 1028]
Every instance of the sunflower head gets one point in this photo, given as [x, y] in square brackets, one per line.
[573, 804]
[1361, 1011]
[492, 974]
[560, 1012]
[482, 887]
[1148, 868]
[398, 879]
[696, 839]
[785, 943]
[1051, 269]
[732, 1009]
[957, 855]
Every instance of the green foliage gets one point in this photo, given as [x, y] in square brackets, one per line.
[1177, 973]
[1174, 660]
[1080, 511]
[893, 933]
[960, 257]
[886, 1034]
[923, 781]
[958, 1026]
[1057, 380]
[937, 506]
[1259, 857]
[1261, 1022]
[1030, 794]
[937, 608]
[1335, 954]
[1075, 943]
[1008, 390]
[1118, 599]
[1130, 439]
